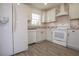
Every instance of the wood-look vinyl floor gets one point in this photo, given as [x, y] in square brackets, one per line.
[46, 48]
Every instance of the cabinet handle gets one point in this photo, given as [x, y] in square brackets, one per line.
[73, 31]
[68, 34]
[51, 32]
[42, 32]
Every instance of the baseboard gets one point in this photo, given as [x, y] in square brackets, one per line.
[75, 48]
[60, 43]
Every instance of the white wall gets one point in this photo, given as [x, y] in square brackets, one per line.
[6, 30]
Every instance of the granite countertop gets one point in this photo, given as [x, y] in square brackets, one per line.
[35, 27]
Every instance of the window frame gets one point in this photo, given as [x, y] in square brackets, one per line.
[36, 19]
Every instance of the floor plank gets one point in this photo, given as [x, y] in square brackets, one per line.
[47, 48]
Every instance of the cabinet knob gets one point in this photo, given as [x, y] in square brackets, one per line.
[68, 34]
[42, 32]
[51, 32]
[73, 31]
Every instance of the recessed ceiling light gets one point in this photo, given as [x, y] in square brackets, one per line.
[45, 3]
[18, 3]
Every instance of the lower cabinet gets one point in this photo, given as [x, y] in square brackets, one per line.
[31, 36]
[36, 35]
[73, 39]
[49, 35]
[40, 35]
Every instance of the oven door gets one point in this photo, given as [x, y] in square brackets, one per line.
[60, 35]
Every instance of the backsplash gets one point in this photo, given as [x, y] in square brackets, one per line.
[60, 20]
[74, 24]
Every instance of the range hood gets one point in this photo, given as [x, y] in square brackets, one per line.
[62, 11]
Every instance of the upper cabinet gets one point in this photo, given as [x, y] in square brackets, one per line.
[43, 16]
[29, 11]
[51, 15]
[74, 11]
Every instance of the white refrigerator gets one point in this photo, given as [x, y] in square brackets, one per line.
[20, 28]
[13, 34]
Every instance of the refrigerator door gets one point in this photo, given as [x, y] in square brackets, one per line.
[20, 31]
[6, 42]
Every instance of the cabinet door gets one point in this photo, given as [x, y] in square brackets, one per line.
[48, 16]
[43, 16]
[29, 12]
[74, 10]
[49, 36]
[40, 35]
[43, 34]
[31, 36]
[51, 15]
[73, 39]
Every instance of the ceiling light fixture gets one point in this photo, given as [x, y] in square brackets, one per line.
[18, 3]
[45, 3]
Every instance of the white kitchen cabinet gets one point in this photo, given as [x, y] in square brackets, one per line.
[29, 12]
[73, 39]
[29, 15]
[43, 16]
[48, 16]
[49, 35]
[31, 36]
[40, 35]
[74, 10]
[51, 15]
[35, 36]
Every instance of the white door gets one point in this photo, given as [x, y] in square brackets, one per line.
[20, 31]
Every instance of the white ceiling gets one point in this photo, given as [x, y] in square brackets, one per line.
[42, 6]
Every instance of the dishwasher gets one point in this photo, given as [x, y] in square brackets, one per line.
[73, 39]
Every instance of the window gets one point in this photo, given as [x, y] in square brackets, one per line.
[36, 19]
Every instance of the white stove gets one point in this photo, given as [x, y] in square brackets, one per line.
[60, 36]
